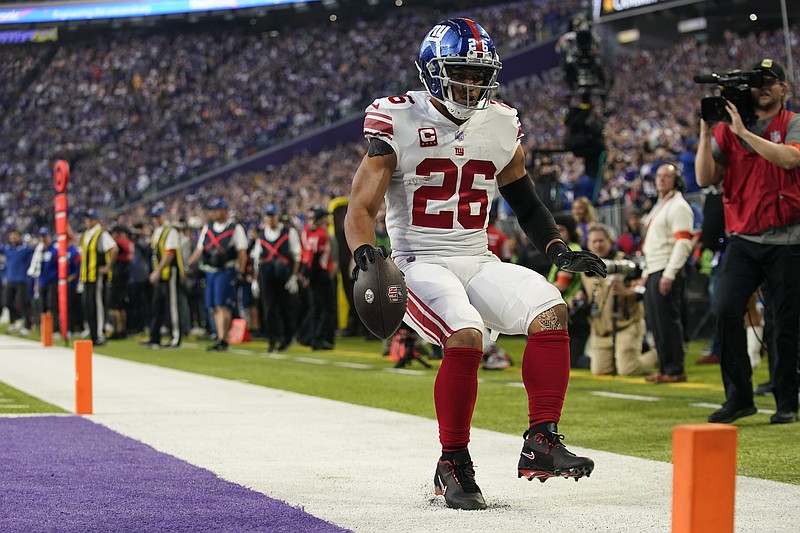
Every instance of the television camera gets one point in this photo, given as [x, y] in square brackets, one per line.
[735, 88]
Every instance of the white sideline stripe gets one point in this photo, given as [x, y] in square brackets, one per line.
[16, 406]
[620, 396]
[356, 366]
[239, 351]
[717, 406]
[6, 400]
[706, 405]
[278, 356]
[311, 360]
[264, 439]
[406, 371]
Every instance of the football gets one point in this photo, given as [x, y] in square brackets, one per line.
[380, 297]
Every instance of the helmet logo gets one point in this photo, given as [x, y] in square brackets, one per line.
[438, 32]
[369, 296]
[427, 137]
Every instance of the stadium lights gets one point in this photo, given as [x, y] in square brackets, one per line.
[628, 36]
[690, 25]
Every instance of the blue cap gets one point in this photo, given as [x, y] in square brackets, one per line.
[270, 209]
[44, 232]
[219, 203]
[91, 213]
[157, 211]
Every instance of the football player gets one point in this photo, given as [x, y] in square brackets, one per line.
[438, 158]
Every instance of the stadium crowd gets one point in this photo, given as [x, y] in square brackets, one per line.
[137, 110]
[140, 110]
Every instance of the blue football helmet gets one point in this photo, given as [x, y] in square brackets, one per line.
[454, 44]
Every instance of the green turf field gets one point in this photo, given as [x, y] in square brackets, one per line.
[13, 401]
[616, 414]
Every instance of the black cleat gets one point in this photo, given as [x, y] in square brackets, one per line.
[455, 480]
[150, 345]
[220, 346]
[543, 456]
[728, 413]
[783, 417]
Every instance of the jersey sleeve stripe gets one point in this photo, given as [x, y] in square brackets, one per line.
[379, 127]
[373, 114]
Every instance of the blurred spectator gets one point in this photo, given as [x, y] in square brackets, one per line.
[118, 297]
[568, 284]
[319, 267]
[43, 270]
[18, 284]
[584, 215]
[686, 158]
[222, 247]
[630, 242]
[140, 293]
[165, 277]
[668, 233]
[98, 255]
[499, 243]
[276, 262]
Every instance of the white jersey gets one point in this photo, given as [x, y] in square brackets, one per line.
[439, 196]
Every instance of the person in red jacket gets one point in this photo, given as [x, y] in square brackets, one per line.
[320, 269]
[759, 168]
[120, 279]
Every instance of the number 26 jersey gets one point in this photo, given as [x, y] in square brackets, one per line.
[439, 196]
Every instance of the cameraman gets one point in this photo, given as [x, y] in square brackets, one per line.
[616, 312]
[758, 169]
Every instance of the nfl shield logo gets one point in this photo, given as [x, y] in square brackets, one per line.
[395, 293]
[775, 136]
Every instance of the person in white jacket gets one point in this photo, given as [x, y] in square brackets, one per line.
[667, 245]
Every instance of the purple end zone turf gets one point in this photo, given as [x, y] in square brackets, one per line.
[70, 474]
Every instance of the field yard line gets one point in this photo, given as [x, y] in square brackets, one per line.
[363, 468]
[620, 396]
[716, 406]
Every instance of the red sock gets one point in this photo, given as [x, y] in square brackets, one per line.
[454, 395]
[545, 373]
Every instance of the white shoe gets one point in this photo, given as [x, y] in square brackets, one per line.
[24, 331]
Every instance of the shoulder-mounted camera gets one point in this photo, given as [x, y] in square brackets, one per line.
[734, 87]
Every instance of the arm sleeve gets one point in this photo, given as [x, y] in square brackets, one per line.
[239, 238]
[682, 222]
[533, 217]
[294, 245]
[793, 130]
[201, 238]
[172, 242]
